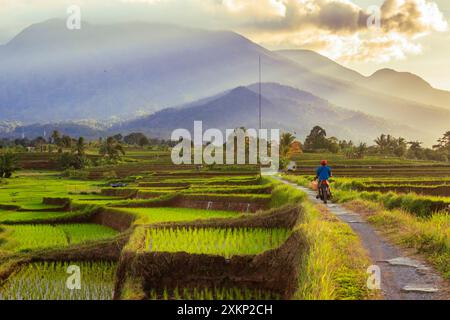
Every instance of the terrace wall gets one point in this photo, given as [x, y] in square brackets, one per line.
[115, 219]
[275, 271]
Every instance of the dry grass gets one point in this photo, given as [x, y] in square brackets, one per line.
[427, 236]
[335, 268]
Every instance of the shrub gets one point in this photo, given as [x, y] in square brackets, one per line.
[73, 161]
[8, 164]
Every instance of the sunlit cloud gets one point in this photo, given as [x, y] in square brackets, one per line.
[336, 28]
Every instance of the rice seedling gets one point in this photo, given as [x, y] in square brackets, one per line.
[157, 215]
[48, 281]
[80, 233]
[15, 216]
[220, 294]
[33, 237]
[224, 242]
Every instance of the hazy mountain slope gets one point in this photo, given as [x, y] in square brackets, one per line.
[408, 86]
[51, 74]
[403, 85]
[282, 107]
[45, 130]
[321, 64]
[48, 73]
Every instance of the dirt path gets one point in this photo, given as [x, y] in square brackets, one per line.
[402, 277]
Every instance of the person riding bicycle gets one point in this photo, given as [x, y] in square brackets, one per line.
[323, 173]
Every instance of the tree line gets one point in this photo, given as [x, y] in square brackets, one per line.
[384, 145]
[73, 154]
[73, 151]
[58, 142]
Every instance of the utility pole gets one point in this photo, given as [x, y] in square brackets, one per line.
[260, 99]
[260, 115]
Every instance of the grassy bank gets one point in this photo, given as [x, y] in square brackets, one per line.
[411, 221]
[428, 236]
[344, 191]
[335, 266]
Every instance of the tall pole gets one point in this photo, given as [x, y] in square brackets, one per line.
[260, 101]
[260, 112]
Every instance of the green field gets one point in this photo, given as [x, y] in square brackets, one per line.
[9, 216]
[212, 294]
[47, 281]
[158, 209]
[224, 242]
[33, 237]
[158, 215]
[407, 201]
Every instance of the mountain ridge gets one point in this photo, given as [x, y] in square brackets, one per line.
[383, 80]
[283, 107]
[124, 70]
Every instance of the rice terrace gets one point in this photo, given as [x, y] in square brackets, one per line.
[158, 231]
[236, 157]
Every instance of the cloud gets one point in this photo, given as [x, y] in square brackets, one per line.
[340, 29]
[336, 28]
[412, 17]
[338, 16]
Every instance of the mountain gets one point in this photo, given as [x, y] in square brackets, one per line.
[8, 126]
[72, 129]
[402, 85]
[321, 64]
[408, 86]
[283, 107]
[50, 74]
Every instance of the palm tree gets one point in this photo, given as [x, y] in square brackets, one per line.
[66, 141]
[444, 143]
[56, 137]
[80, 147]
[112, 148]
[415, 149]
[383, 143]
[361, 150]
[287, 139]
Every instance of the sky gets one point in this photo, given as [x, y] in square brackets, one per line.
[412, 35]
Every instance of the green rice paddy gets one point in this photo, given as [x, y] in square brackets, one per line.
[48, 281]
[159, 215]
[223, 242]
[21, 238]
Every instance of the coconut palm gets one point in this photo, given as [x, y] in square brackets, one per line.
[80, 147]
[287, 139]
[56, 137]
[112, 148]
